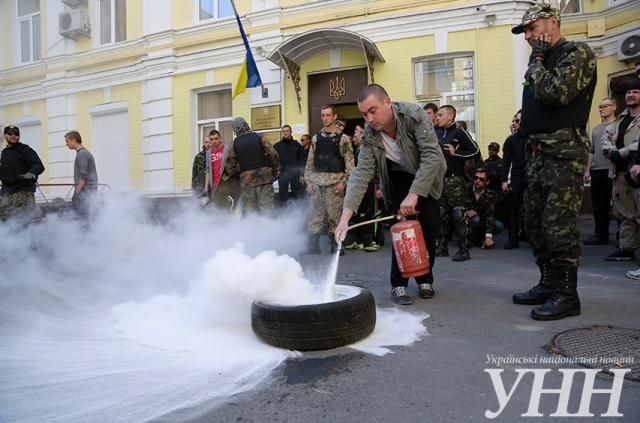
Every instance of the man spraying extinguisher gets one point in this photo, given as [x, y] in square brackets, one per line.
[400, 146]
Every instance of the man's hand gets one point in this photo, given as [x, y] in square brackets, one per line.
[449, 149]
[340, 187]
[539, 48]
[29, 176]
[586, 176]
[341, 229]
[471, 213]
[408, 205]
[301, 180]
[488, 243]
[506, 187]
[379, 194]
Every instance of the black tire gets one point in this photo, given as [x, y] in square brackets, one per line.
[313, 327]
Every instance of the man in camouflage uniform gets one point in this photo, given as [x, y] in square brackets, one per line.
[199, 169]
[619, 145]
[632, 99]
[19, 170]
[328, 167]
[458, 147]
[475, 220]
[495, 165]
[259, 166]
[557, 96]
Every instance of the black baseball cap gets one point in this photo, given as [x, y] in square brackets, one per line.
[10, 129]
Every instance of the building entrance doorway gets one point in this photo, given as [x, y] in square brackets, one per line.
[339, 88]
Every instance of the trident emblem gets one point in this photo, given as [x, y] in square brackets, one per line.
[337, 88]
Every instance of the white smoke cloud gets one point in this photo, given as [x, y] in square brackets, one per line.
[134, 317]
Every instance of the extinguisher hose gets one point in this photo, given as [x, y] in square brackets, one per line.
[380, 219]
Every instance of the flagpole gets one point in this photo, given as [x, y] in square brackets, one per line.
[235, 11]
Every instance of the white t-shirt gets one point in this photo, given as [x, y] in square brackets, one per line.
[394, 153]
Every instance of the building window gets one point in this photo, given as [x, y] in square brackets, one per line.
[568, 6]
[447, 79]
[29, 24]
[214, 112]
[613, 3]
[113, 21]
[214, 9]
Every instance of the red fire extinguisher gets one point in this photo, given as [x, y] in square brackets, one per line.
[410, 247]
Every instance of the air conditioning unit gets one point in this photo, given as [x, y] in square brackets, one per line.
[74, 3]
[629, 48]
[73, 23]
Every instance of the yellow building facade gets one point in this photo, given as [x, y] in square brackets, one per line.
[144, 80]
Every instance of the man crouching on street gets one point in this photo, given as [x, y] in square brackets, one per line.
[398, 143]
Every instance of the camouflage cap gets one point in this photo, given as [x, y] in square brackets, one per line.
[535, 12]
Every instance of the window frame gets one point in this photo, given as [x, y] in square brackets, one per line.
[32, 39]
[112, 23]
[216, 10]
[614, 3]
[556, 3]
[211, 123]
[442, 98]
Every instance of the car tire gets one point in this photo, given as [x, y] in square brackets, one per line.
[312, 327]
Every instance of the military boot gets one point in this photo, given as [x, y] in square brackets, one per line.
[543, 290]
[564, 302]
[462, 235]
[313, 246]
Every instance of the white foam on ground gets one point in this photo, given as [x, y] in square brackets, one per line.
[129, 320]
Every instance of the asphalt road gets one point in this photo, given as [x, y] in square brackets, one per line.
[442, 378]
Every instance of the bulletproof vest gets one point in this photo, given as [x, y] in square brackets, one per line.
[542, 118]
[249, 151]
[327, 156]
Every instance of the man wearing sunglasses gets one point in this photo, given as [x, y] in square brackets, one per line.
[19, 170]
[556, 100]
[476, 221]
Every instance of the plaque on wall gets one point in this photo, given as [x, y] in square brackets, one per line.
[267, 117]
[271, 136]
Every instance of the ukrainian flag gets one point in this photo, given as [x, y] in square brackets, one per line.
[249, 75]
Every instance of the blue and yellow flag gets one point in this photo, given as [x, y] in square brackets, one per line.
[249, 76]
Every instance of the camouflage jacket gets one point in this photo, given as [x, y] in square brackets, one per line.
[261, 176]
[314, 177]
[484, 205]
[631, 138]
[198, 172]
[420, 147]
[575, 71]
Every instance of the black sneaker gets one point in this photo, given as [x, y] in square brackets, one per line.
[621, 255]
[426, 290]
[399, 296]
[442, 252]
